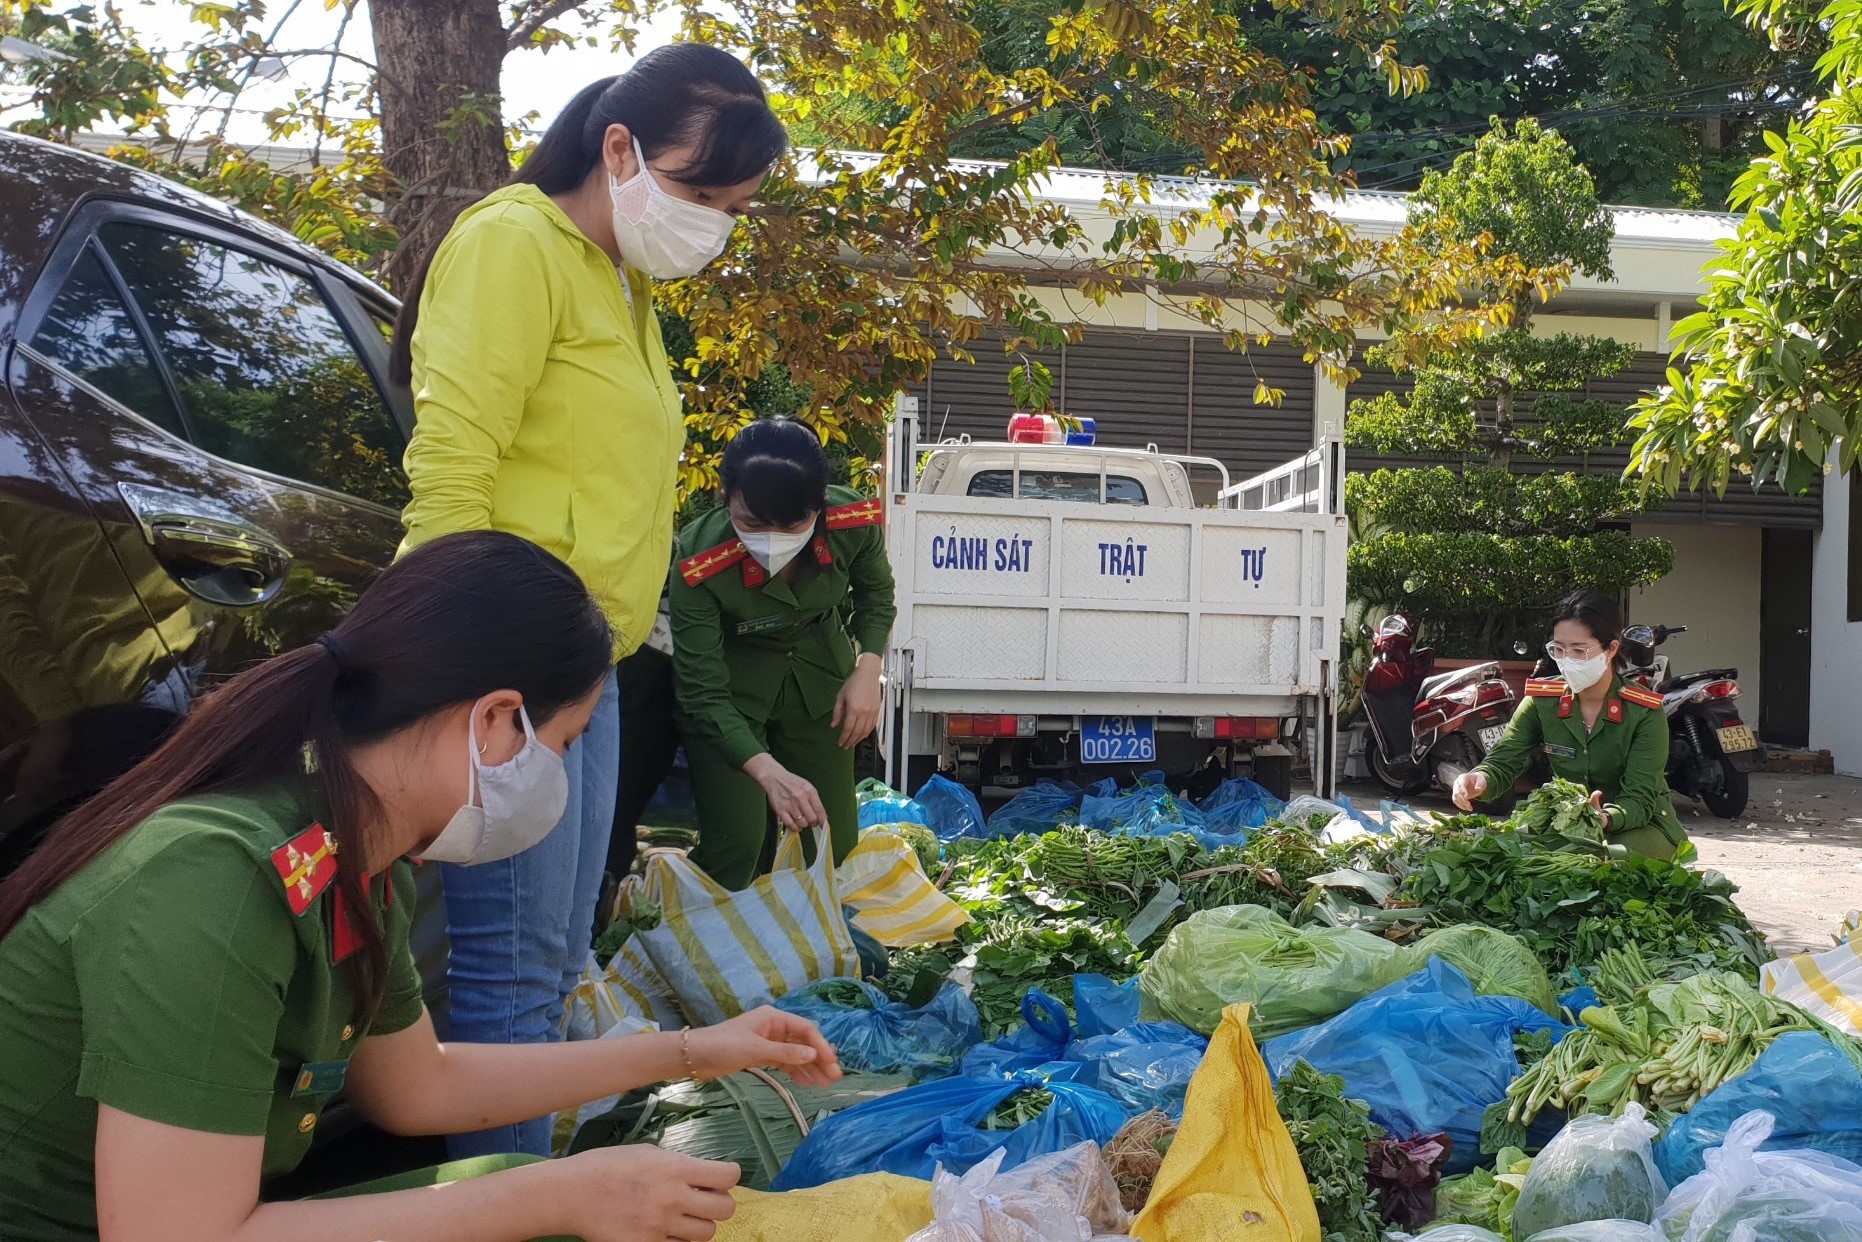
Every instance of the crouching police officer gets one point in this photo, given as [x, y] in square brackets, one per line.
[780, 614]
[1593, 728]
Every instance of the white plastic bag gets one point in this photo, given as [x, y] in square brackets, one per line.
[1748, 1195]
[1447, 1233]
[1598, 1168]
[1826, 984]
[1069, 1196]
[1600, 1231]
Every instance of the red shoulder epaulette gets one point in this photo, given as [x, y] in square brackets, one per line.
[1546, 688]
[306, 863]
[1641, 697]
[859, 513]
[712, 561]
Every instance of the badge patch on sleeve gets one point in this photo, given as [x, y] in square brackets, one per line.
[319, 1078]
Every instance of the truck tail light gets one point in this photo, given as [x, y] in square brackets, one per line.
[984, 726]
[1238, 728]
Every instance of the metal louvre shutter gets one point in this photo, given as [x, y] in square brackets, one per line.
[973, 398]
[1227, 425]
[1740, 506]
[1185, 393]
[1136, 386]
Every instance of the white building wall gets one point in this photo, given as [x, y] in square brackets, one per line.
[1714, 591]
[1835, 641]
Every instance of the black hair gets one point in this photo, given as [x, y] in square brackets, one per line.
[682, 94]
[1599, 614]
[779, 469]
[458, 618]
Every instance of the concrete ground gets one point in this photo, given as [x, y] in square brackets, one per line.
[1796, 854]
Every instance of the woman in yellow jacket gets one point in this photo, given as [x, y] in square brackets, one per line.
[545, 407]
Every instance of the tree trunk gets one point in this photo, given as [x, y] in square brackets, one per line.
[441, 116]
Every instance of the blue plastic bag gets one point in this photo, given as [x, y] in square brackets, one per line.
[889, 1037]
[1803, 1080]
[1101, 1006]
[951, 811]
[1577, 1000]
[1044, 1039]
[1147, 809]
[1426, 1053]
[1144, 1066]
[914, 1131]
[890, 807]
[1042, 807]
[1238, 806]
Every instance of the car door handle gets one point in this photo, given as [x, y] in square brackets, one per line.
[214, 556]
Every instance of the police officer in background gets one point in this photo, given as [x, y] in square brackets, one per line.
[1593, 728]
[781, 607]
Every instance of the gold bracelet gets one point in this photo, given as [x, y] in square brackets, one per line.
[685, 1053]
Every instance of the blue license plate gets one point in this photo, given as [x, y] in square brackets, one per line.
[1118, 739]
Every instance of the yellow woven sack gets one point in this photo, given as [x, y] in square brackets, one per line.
[1232, 1173]
[893, 900]
[874, 1207]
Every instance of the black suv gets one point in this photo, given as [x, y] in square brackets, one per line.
[199, 464]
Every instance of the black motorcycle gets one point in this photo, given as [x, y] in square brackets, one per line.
[1711, 751]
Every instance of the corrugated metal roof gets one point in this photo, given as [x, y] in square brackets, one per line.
[1370, 210]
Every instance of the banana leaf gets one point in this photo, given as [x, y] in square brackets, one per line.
[740, 1119]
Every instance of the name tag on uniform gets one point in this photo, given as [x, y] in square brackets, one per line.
[1560, 752]
[760, 624]
[320, 1078]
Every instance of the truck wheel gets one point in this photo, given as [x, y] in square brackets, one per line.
[1729, 800]
[1274, 773]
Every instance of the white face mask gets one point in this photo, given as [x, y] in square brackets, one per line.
[510, 806]
[660, 234]
[774, 548]
[1581, 675]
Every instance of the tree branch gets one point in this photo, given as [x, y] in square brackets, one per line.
[524, 27]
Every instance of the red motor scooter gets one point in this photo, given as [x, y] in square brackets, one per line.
[1427, 729]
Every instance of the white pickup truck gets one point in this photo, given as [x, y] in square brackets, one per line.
[1068, 611]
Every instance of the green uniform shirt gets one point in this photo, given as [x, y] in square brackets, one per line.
[1625, 755]
[171, 979]
[740, 635]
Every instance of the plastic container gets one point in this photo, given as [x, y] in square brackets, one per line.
[1034, 429]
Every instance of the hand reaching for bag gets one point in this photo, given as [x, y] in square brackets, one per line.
[794, 800]
[765, 1038]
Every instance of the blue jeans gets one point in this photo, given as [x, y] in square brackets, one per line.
[520, 928]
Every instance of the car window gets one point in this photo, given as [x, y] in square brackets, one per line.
[88, 332]
[266, 375]
[1059, 485]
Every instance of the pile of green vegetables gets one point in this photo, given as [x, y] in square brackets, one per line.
[1333, 1136]
[1047, 907]
[1076, 901]
[1661, 1044]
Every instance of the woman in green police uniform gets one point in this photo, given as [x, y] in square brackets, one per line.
[781, 607]
[1593, 728]
[200, 957]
